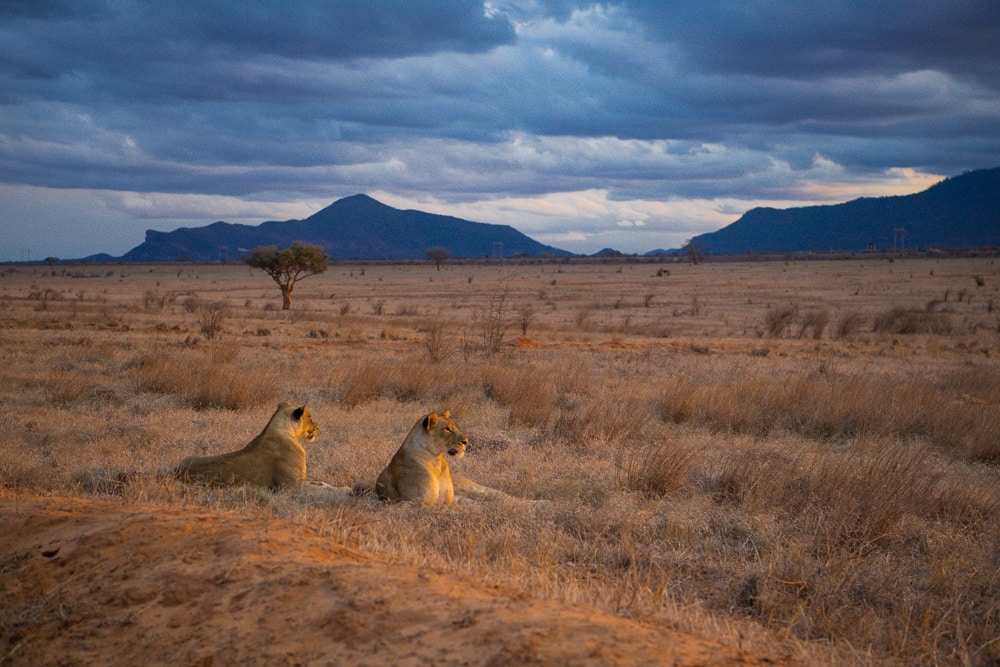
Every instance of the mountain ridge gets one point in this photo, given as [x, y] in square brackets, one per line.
[354, 227]
[961, 211]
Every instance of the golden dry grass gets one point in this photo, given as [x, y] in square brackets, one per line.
[802, 458]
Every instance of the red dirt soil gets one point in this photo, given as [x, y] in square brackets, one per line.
[87, 582]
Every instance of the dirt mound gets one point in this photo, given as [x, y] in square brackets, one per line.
[87, 582]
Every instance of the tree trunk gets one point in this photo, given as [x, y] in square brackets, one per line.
[286, 297]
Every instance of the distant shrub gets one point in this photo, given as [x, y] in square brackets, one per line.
[210, 318]
[815, 321]
[528, 391]
[208, 377]
[604, 418]
[777, 320]
[899, 320]
[192, 304]
[525, 315]
[370, 380]
[494, 319]
[848, 324]
[656, 470]
[439, 341]
[67, 386]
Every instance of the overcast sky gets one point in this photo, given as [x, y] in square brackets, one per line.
[632, 125]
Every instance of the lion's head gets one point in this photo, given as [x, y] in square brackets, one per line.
[445, 434]
[302, 422]
[418, 470]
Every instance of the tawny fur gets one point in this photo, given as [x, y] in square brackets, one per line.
[466, 488]
[419, 470]
[275, 459]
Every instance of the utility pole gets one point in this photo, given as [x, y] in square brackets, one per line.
[899, 234]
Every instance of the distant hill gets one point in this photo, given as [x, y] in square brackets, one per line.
[607, 252]
[99, 258]
[963, 211]
[356, 227]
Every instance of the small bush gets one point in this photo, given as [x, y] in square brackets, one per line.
[815, 321]
[528, 391]
[210, 318]
[656, 470]
[900, 320]
[208, 378]
[525, 315]
[363, 382]
[370, 380]
[778, 319]
[439, 341]
[848, 324]
[495, 319]
[67, 387]
[603, 418]
[192, 304]
[150, 299]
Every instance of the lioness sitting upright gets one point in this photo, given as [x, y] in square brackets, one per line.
[418, 470]
[275, 459]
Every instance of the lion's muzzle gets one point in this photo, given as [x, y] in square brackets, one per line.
[458, 450]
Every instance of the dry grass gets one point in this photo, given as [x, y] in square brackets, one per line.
[901, 320]
[849, 323]
[211, 377]
[656, 470]
[776, 321]
[955, 412]
[831, 497]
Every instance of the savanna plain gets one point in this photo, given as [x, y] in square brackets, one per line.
[798, 461]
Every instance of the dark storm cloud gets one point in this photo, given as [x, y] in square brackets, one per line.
[823, 39]
[212, 49]
[464, 102]
[308, 29]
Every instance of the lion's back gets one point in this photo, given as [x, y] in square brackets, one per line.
[226, 469]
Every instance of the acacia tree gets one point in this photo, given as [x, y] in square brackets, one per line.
[438, 254]
[288, 265]
[693, 249]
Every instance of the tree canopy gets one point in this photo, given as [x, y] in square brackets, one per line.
[288, 265]
[438, 254]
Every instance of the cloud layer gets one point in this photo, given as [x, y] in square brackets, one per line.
[626, 124]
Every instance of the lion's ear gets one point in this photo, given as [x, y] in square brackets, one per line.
[430, 421]
[446, 414]
[298, 413]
